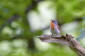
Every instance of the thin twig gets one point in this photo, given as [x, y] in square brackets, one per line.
[9, 21]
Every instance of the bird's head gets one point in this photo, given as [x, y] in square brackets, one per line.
[54, 21]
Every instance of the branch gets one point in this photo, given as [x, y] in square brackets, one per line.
[33, 5]
[68, 40]
[9, 21]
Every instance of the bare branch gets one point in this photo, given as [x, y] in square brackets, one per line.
[68, 40]
[33, 5]
[9, 21]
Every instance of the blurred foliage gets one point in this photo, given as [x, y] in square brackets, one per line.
[68, 10]
[14, 35]
[10, 7]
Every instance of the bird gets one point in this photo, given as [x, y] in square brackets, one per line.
[54, 27]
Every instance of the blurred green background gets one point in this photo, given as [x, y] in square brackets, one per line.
[22, 20]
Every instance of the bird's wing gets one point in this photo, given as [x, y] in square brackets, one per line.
[57, 29]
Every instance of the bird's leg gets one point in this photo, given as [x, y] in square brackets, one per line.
[52, 35]
[55, 35]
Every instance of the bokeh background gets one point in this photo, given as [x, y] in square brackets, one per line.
[21, 21]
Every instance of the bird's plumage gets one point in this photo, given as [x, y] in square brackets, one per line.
[54, 28]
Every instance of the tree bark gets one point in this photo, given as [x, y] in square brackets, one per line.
[68, 40]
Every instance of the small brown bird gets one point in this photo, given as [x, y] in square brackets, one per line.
[55, 30]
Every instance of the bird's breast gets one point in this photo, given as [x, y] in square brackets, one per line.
[52, 25]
